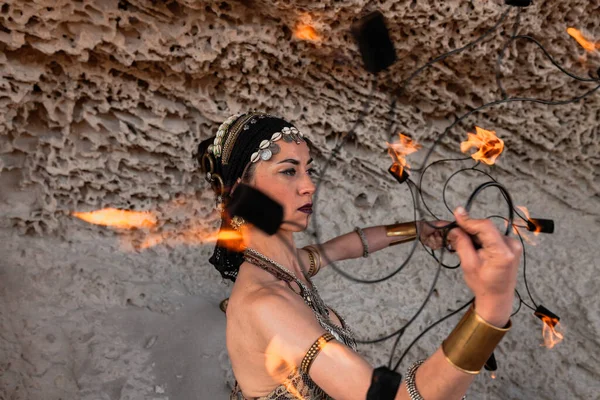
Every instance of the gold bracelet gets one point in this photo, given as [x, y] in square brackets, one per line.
[311, 259]
[403, 240]
[314, 351]
[223, 305]
[315, 257]
[472, 342]
[408, 231]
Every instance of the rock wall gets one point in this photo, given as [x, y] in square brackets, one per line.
[102, 103]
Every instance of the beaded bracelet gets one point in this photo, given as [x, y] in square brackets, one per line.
[314, 350]
[411, 387]
[363, 239]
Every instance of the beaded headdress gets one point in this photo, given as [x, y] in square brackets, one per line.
[242, 140]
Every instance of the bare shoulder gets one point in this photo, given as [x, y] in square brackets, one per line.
[271, 319]
[274, 312]
[269, 329]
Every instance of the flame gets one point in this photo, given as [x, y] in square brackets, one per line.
[493, 375]
[524, 230]
[588, 45]
[399, 150]
[306, 32]
[305, 29]
[230, 239]
[488, 145]
[538, 227]
[115, 218]
[151, 240]
[291, 388]
[551, 331]
[274, 364]
[158, 233]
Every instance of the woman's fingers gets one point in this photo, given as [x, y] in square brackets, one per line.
[514, 245]
[462, 244]
[483, 229]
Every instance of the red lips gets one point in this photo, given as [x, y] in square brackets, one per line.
[307, 208]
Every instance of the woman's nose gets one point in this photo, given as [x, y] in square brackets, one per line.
[307, 186]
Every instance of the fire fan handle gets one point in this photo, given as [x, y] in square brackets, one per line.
[470, 201]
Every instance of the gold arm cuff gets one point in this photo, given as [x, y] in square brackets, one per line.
[223, 305]
[406, 229]
[313, 264]
[314, 351]
[315, 255]
[403, 240]
[472, 342]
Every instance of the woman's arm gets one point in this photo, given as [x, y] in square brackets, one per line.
[350, 245]
[490, 272]
[286, 332]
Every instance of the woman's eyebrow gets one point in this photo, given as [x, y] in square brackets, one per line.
[294, 161]
[289, 160]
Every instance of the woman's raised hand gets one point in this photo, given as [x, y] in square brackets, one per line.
[430, 236]
[490, 271]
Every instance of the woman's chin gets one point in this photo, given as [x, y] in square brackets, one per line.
[297, 224]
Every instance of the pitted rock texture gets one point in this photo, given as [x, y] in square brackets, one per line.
[102, 103]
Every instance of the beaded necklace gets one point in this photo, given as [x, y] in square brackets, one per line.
[310, 295]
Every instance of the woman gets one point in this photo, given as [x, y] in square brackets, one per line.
[283, 341]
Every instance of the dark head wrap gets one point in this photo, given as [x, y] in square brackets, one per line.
[239, 140]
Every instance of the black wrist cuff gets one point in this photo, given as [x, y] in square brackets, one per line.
[384, 384]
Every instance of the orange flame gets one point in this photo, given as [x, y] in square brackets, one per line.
[274, 363]
[232, 240]
[524, 231]
[121, 219]
[588, 45]
[399, 150]
[306, 32]
[493, 375]
[488, 145]
[140, 240]
[291, 388]
[305, 29]
[551, 331]
[538, 227]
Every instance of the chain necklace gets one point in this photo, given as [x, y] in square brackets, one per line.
[310, 295]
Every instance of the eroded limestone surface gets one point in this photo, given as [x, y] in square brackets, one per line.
[102, 103]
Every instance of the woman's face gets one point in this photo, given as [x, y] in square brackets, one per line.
[287, 179]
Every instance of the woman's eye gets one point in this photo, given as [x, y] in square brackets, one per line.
[290, 172]
[312, 172]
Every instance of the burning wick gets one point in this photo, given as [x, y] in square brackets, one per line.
[536, 225]
[539, 225]
[550, 327]
[488, 145]
[398, 172]
[398, 151]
